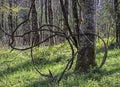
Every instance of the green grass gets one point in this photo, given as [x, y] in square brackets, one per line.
[16, 69]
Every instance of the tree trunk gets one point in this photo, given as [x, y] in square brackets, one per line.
[10, 20]
[50, 20]
[117, 20]
[2, 20]
[2, 16]
[86, 48]
[34, 23]
[76, 19]
[41, 19]
[66, 12]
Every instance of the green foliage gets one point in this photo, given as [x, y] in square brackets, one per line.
[15, 10]
[16, 69]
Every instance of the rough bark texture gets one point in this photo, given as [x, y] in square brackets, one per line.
[34, 23]
[86, 49]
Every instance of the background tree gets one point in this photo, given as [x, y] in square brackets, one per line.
[50, 19]
[117, 20]
[34, 22]
[2, 18]
[66, 12]
[10, 18]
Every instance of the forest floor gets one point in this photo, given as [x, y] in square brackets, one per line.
[16, 69]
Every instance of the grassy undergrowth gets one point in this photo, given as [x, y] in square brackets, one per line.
[16, 69]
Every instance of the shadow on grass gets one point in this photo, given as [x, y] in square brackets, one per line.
[10, 70]
[27, 66]
[111, 54]
[95, 76]
[44, 83]
[48, 83]
[117, 70]
[98, 75]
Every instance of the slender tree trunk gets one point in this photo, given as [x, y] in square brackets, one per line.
[34, 23]
[76, 19]
[86, 48]
[2, 21]
[66, 12]
[10, 19]
[117, 20]
[50, 19]
[41, 19]
[2, 16]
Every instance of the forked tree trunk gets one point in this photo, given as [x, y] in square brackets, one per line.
[86, 48]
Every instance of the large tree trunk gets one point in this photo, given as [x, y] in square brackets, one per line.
[86, 48]
[34, 23]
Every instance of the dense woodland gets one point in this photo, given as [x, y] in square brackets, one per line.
[67, 42]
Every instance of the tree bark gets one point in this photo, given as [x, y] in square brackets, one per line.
[86, 48]
[2, 20]
[50, 20]
[76, 19]
[117, 20]
[66, 12]
[10, 17]
[34, 23]
[2, 16]
[10, 21]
